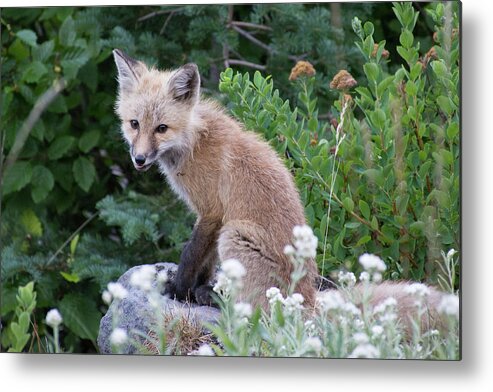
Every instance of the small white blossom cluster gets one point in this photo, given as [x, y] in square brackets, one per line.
[385, 311]
[53, 318]
[313, 344]
[142, 278]
[118, 337]
[305, 243]
[291, 303]
[373, 265]
[274, 295]
[330, 300]
[365, 350]
[361, 338]
[229, 278]
[346, 279]
[377, 330]
[449, 305]
[115, 291]
[419, 291]
[243, 311]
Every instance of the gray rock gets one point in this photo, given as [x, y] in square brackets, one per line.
[137, 316]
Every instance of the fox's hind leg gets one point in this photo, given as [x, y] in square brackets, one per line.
[265, 265]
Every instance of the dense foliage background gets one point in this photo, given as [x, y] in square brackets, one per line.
[75, 214]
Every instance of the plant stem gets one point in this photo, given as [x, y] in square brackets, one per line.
[77, 231]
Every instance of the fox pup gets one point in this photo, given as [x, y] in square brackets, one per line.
[243, 195]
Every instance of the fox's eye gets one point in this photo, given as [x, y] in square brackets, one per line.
[162, 128]
[134, 124]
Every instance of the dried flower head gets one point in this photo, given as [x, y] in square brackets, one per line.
[385, 52]
[302, 68]
[343, 81]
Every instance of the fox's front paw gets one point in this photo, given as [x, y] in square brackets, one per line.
[175, 292]
[203, 295]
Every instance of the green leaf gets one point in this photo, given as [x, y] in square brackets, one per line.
[34, 72]
[72, 278]
[452, 131]
[368, 27]
[66, 34]
[42, 183]
[27, 36]
[73, 244]
[43, 51]
[348, 204]
[89, 140]
[378, 118]
[31, 223]
[439, 68]
[80, 314]
[371, 71]
[60, 146]
[352, 225]
[406, 38]
[17, 177]
[363, 240]
[364, 208]
[84, 173]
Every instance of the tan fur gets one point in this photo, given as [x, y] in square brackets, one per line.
[228, 176]
[406, 307]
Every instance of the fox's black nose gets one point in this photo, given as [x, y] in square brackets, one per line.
[140, 160]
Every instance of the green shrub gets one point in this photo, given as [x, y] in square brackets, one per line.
[388, 173]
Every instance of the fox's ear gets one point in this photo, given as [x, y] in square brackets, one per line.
[129, 70]
[184, 85]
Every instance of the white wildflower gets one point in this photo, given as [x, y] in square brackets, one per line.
[386, 304]
[205, 350]
[223, 283]
[289, 250]
[53, 318]
[330, 300]
[351, 308]
[360, 338]
[118, 336]
[233, 269]
[274, 295]
[346, 278]
[305, 241]
[451, 253]
[107, 298]
[449, 305]
[377, 277]
[419, 289]
[365, 351]
[293, 303]
[142, 277]
[229, 277]
[376, 330]
[434, 332]
[243, 309]
[117, 291]
[310, 326]
[358, 324]
[364, 277]
[313, 344]
[372, 263]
